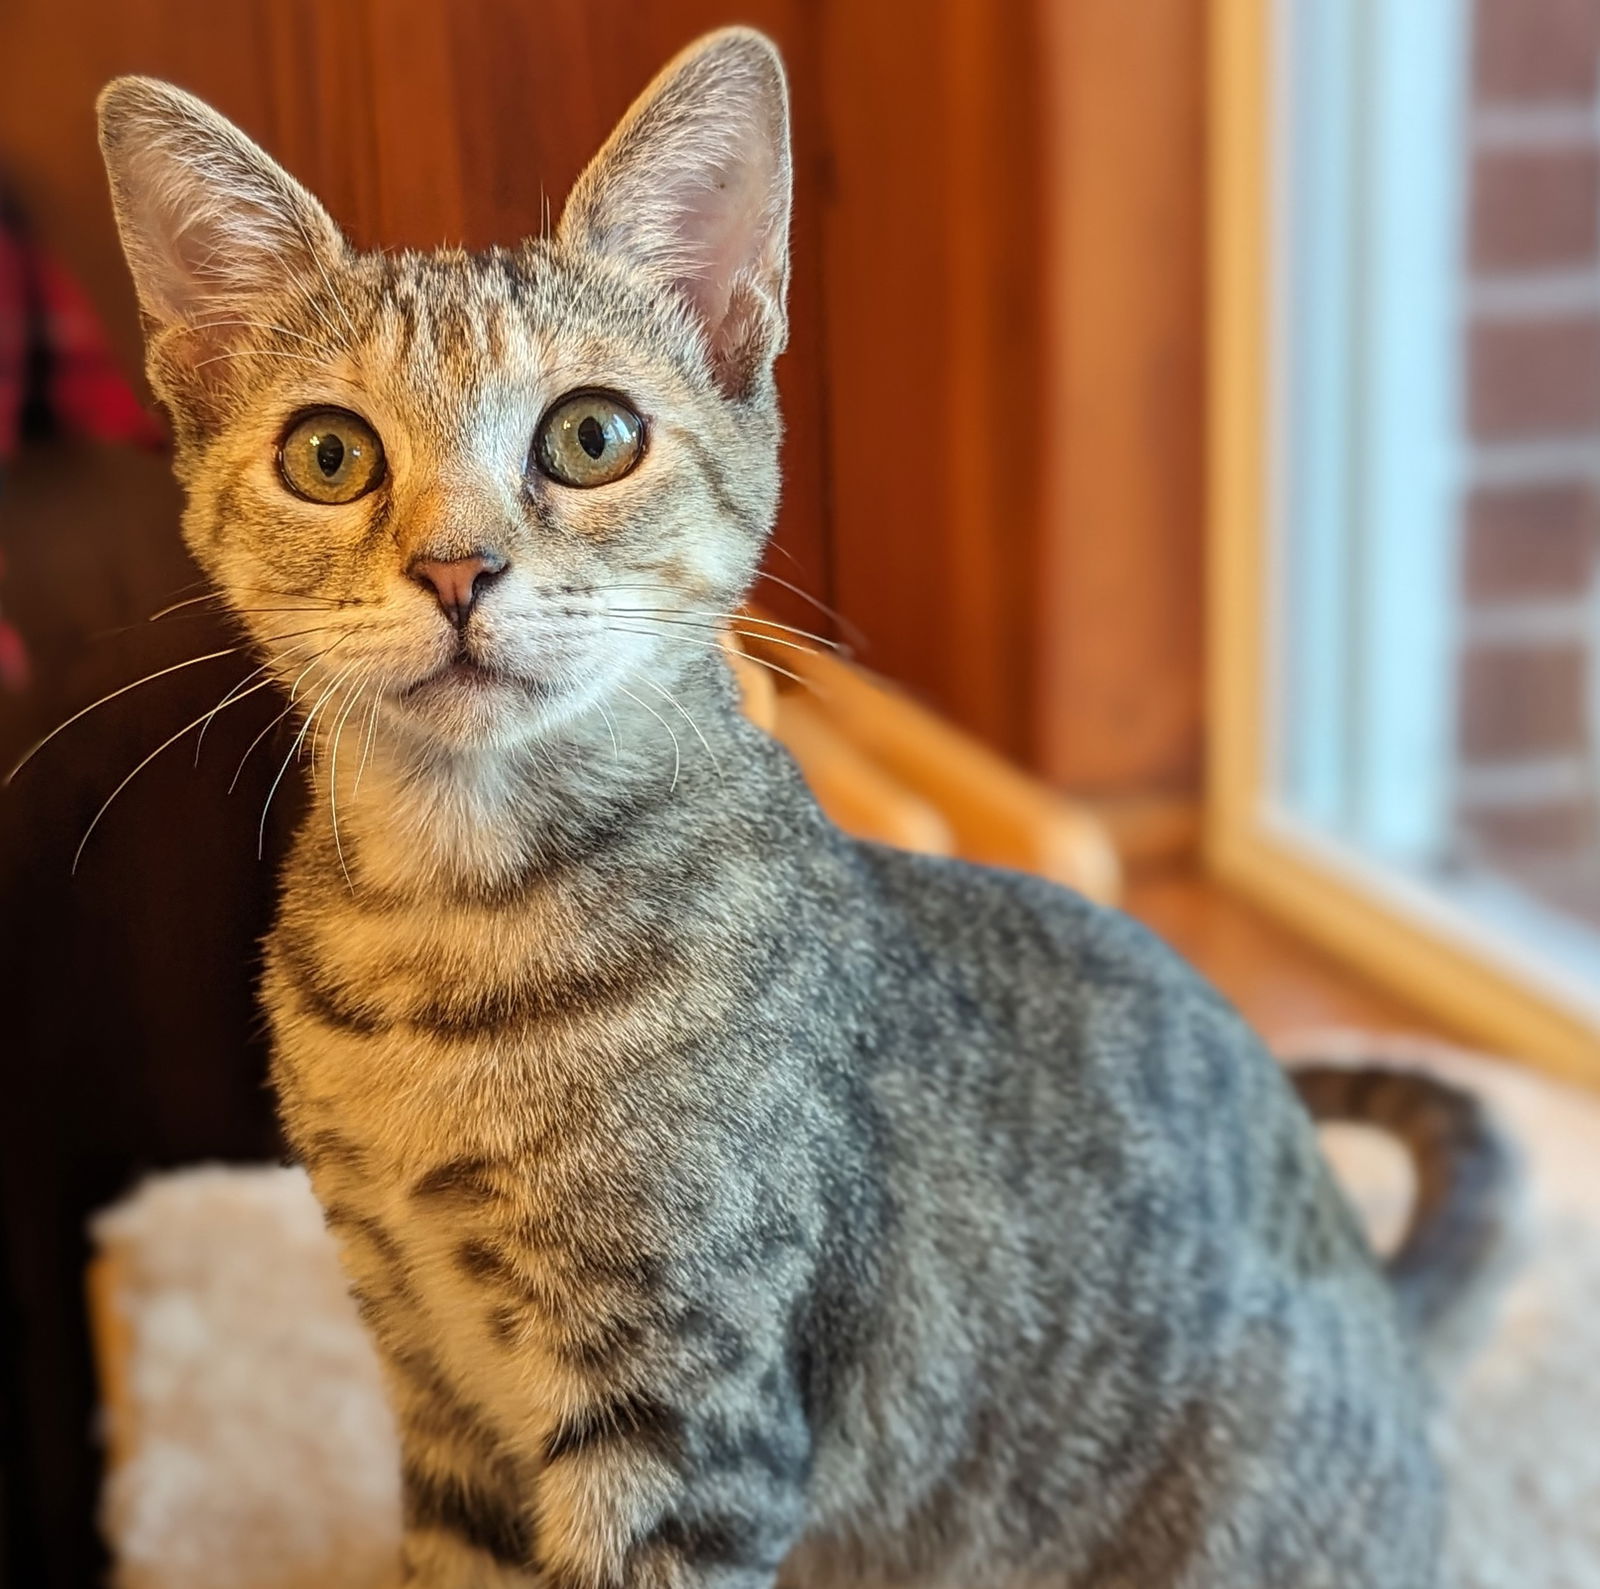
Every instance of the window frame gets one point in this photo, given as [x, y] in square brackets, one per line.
[1469, 975]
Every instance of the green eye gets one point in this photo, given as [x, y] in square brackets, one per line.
[588, 439]
[330, 456]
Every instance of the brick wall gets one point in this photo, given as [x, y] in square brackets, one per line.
[1528, 786]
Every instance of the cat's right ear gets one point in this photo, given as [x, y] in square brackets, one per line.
[209, 222]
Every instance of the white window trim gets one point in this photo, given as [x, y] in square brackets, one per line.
[1368, 226]
[1471, 978]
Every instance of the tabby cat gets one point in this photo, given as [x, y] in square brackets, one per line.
[728, 1199]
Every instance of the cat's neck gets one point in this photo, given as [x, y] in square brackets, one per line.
[415, 817]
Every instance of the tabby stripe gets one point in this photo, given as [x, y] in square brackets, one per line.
[579, 846]
[603, 1348]
[326, 1001]
[342, 1217]
[468, 1180]
[653, 963]
[717, 482]
[531, 1003]
[589, 1340]
[435, 1407]
[711, 1541]
[453, 1505]
[324, 1149]
[634, 1419]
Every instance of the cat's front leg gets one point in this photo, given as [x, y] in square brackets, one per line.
[467, 1504]
[652, 1491]
[462, 1529]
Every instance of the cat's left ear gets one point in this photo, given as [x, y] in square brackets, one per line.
[694, 186]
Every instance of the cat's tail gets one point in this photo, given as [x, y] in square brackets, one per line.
[1461, 1234]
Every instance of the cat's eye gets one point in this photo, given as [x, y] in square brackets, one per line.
[330, 456]
[588, 439]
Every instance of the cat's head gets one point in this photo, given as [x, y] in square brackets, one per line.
[488, 488]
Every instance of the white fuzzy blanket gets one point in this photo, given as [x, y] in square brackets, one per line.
[263, 1457]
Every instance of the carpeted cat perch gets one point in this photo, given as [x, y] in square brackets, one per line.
[251, 1449]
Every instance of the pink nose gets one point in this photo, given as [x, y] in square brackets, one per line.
[459, 581]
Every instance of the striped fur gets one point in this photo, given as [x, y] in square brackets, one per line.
[728, 1200]
[1467, 1185]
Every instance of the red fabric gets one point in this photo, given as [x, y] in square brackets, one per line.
[85, 392]
[56, 375]
[55, 366]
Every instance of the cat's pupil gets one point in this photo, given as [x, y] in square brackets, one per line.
[592, 436]
[330, 454]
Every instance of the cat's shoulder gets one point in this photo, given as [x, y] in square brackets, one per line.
[1028, 925]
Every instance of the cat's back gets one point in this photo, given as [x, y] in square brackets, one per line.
[1119, 1240]
[1073, 1002]
[1052, 1056]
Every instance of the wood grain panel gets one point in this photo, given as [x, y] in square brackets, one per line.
[928, 274]
[1119, 579]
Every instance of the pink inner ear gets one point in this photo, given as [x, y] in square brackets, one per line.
[723, 227]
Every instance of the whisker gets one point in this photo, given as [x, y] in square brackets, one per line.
[852, 631]
[841, 647]
[294, 751]
[306, 602]
[773, 640]
[204, 717]
[192, 584]
[661, 690]
[214, 615]
[727, 623]
[639, 615]
[197, 617]
[677, 749]
[234, 784]
[611, 729]
[294, 691]
[301, 595]
[260, 353]
[854, 637]
[333, 771]
[713, 645]
[229, 612]
[366, 749]
[206, 595]
[200, 738]
[149, 678]
[261, 325]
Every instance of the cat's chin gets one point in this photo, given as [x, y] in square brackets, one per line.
[464, 683]
[465, 706]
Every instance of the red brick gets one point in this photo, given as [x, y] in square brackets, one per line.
[1572, 889]
[1536, 49]
[1524, 701]
[1521, 833]
[1535, 377]
[1535, 209]
[1530, 541]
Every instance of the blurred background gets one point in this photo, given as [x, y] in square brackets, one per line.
[1000, 415]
